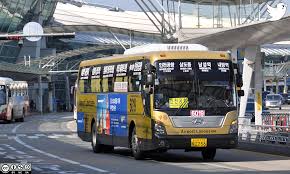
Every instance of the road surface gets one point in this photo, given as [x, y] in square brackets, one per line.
[50, 143]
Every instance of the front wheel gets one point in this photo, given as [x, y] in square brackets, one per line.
[137, 153]
[97, 147]
[208, 154]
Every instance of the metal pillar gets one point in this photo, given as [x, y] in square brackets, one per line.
[40, 95]
[265, 85]
[285, 90]
[250, 56]
[67, 85]
[277, 85]
[258, 87]
[50, 95]
[179, 14]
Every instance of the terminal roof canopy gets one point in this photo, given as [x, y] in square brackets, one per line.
[255, 34]
[20, 72]
[222, 1]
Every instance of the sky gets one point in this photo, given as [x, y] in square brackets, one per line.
[131, 4]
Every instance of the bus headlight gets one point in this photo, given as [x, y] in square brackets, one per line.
[234, 127]
[159, 129]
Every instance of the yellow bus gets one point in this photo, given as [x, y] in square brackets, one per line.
[159, 97]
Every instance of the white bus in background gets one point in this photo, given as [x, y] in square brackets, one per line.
[73, 91]
[14, 100]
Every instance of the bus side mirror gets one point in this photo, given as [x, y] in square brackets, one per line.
[241, 93]
[239, 80]
[150, 79]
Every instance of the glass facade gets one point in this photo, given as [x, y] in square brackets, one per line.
[14, 14]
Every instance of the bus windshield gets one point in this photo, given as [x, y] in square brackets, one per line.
[2, 95]
[182, 86]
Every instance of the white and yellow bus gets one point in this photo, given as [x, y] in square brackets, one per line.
[159, 97]
[14, 100]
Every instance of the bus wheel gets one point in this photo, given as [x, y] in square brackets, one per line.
[208, 154]
[12, 117]
[137, 153]
[97, 148]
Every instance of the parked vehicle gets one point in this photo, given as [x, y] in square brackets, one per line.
[288, 99]
[284, 98]
[274, 101]
[14, 100]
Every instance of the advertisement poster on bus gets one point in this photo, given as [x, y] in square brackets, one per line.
[118, 114]
[103, 116]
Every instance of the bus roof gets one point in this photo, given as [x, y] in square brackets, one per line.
[157, 55]
[5, 80]
[165, 47]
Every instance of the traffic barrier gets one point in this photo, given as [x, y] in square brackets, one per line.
[277, 119]
[266, 134]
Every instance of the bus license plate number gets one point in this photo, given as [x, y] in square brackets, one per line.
[198, 142]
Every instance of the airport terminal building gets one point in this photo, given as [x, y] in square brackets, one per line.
[101, 31]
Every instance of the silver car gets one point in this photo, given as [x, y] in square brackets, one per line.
[274, 101]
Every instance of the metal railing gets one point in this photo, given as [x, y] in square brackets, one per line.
[275, 130]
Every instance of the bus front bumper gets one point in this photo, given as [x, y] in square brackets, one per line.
[184, 142]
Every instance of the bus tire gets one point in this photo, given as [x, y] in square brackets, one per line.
[12, 117]
[208, 154]
[97, 147]
[137, 153]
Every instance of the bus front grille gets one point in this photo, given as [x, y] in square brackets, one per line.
[197, 122]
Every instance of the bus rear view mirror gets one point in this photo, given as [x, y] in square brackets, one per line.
[150, 79]
[241, 93]
[239, 80]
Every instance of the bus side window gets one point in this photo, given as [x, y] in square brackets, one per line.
[82, 86]
[134, 83]
[111, 84]
[96, 85]
[105, 85]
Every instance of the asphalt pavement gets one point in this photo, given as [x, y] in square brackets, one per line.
[50, 144]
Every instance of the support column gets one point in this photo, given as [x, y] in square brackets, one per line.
[285, 90]
[67, 85]
[179, 15]
[258, 87]
[248, 68]
[277, 85]
[40, 95]
[50, 94]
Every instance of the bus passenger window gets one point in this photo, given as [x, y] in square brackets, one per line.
[96, 85]
[105, 85]
[119, 79]
[134, 83]
[111, 84]
[82, 86]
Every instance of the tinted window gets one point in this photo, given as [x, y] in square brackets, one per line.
[2, 95]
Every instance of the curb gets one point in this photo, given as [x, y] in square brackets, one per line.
[282, 150]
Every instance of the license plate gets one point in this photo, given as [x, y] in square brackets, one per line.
[198, 142]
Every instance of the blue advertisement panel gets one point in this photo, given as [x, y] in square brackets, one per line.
[80, 122]
[103, 116]
[118, 114]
